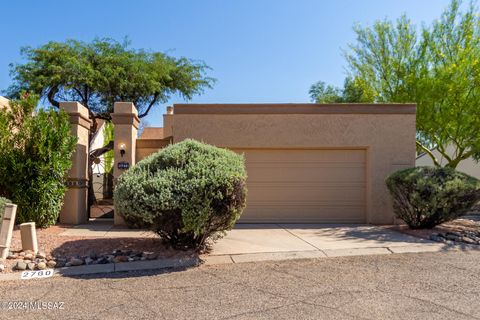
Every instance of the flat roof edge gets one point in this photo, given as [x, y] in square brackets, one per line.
[296, 108]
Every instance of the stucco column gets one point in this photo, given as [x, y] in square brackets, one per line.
[75, 206]
[125, 122]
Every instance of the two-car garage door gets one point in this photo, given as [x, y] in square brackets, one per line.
[304, 185]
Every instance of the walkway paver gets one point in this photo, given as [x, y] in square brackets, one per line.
[105, 229]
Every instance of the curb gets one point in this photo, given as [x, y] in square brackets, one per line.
[212, 260]
[115, 268]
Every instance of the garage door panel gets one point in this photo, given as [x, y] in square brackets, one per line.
[290, 174]
[295, 192]
[308, 214]
[294, 185]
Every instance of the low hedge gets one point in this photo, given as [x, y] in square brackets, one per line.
[424, 197]
[188, 193]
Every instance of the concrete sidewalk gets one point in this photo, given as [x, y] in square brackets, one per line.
[105, 228]
[261, 242]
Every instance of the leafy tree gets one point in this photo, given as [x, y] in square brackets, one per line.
[320, 92]
[99, 73]
[108, 135]
[351, 92]
[35, 151]
[438, 68]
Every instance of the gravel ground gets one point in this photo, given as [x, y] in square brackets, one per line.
[51, 243]
[404, 286]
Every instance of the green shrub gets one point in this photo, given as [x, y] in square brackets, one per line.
[35, 151]
[188, 192]
[3, 201]
[424, 197]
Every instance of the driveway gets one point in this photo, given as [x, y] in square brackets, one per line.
[256, 242]
[443, 285]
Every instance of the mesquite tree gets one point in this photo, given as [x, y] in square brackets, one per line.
[99, 73]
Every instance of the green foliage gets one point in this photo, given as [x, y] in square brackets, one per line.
[35, 152]
[3, 201]
[108, 156]
[104, 71]
[424, 197]
[187, 193]
[351, 92]
[438, 68]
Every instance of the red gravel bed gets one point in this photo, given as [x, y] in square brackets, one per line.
[51, 243]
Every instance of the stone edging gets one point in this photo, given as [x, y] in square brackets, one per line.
[115, 267]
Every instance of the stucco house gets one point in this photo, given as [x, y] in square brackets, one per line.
[306, 163]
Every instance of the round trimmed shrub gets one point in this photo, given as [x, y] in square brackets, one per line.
[187, 193]
[424, 197]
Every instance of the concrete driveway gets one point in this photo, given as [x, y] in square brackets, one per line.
[257, 242]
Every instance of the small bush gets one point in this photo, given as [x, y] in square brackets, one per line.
[424, 197]
[188, 192]
[3, 201]
[35, 151]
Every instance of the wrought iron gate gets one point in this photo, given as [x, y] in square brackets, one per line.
[100, 191]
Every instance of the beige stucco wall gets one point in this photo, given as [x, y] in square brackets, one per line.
[388, 138]
[146, 147]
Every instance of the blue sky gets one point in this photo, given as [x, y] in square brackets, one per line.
[260, 50]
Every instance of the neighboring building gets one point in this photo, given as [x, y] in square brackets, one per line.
[4, 102]
[152, 133]
[468, 166]
[306, 163]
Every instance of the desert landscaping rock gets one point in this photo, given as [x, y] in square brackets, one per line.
[51, 264]
[118, 259]
[12, 255]
[21, 265]
[93, 255]
[2, 267]
[30, 266]
[29, 256]
[75, 262]
[467, 237]
[41, 266]
[41, 255]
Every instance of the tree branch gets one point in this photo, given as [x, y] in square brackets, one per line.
[154, 100]
[51, 96]
[429, 152]
[454, 163]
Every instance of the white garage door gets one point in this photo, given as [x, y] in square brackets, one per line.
[305, 186]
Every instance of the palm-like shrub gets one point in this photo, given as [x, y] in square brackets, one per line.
[424, 197]
[188, 192]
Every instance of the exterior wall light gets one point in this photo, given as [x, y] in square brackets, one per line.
[122, 149]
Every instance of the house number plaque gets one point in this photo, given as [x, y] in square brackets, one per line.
[123, 165]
